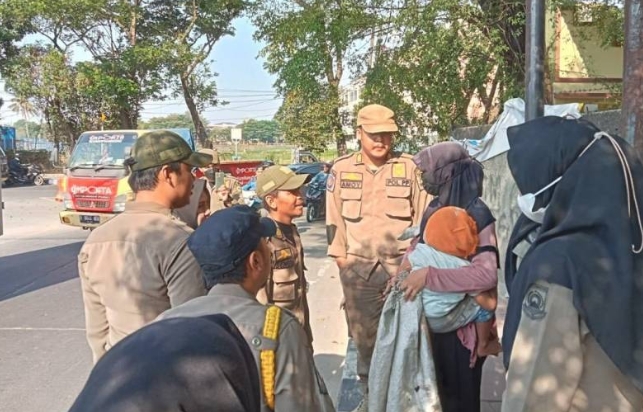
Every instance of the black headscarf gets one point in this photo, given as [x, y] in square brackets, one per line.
[585, 240]
[455, 178]
[176, 365]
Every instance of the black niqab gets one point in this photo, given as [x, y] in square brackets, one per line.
[458, 179]
[177, 365]
[585, 240]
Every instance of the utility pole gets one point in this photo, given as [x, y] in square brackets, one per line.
[535, 61]
[632, 106]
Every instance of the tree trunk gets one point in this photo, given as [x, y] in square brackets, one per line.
[201, 133]
[338, 129]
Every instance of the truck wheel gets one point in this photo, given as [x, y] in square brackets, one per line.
[310, 212]
[39, 180]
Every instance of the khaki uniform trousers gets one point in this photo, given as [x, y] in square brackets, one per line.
[363, 286]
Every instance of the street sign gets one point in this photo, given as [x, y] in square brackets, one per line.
[235, 134]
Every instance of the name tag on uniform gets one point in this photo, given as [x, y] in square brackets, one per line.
[350, 180]
[284, 258]
[398, 182]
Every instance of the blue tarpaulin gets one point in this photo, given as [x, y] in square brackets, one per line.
[8, 138]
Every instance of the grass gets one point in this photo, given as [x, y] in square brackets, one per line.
[280, 154]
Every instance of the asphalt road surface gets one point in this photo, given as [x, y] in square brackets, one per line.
[44, 358]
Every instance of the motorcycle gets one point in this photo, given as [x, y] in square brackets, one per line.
[315, 203]
[31, 175]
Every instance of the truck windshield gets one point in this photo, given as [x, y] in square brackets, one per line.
[102, 149]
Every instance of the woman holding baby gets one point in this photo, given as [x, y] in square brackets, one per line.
[455, 180]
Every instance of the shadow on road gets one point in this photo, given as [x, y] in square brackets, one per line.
[27, 272]
[331, 368]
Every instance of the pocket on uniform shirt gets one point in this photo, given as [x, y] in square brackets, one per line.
[285, 291]
[351, 203]
[398, 199]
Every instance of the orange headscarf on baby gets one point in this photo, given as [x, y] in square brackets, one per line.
[452, 231]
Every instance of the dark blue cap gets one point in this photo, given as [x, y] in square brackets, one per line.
[227, 237]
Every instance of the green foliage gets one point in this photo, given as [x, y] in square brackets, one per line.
[307, 122]
[140, 50]
[26, 128]
[266, 131]
[171, 121]
[220, 134]
[308, 47]
[446, 53]
[188, 31]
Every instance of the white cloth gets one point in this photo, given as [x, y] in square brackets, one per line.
[495, 142]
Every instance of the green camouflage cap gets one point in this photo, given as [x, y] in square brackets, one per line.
[162, 147]
[278, 178]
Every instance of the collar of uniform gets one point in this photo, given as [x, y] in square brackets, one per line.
[147, 207]
[359, 161]
[230, 289]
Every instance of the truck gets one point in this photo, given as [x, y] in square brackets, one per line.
[94, 187]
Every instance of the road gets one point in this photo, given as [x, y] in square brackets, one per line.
[44, 358]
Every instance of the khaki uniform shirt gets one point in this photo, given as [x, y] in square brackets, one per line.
[366, 210]
[298, 385]
[132, 268]
[558, 366]
[234, 196]
[287, 286]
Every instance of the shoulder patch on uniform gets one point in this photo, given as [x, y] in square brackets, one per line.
[330, 182]
[535, 302]
[398, 170]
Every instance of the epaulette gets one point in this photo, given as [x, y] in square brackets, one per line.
[268, 356]
[346, 156]
[406, 156]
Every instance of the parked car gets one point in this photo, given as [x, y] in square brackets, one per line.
[310, 169]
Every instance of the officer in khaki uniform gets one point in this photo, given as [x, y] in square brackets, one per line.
[372, 197]
[226, 195]
[556, 363]
[137, 265]
[280, 189]
[232, 249]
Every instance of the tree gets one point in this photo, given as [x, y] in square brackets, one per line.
[440, 62]
[23, 107]
[171, 121]
[266, 131]
[306, 122]
[21, 127]
[308, 48]
[125, 69]
[190, 29]
[220, 134]
[446, 54]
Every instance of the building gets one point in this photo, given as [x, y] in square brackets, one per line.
[582, 70]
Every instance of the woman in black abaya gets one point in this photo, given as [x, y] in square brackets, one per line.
[455, 179]
[573, 334]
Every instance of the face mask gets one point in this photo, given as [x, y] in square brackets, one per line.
[430, 187]
[526, 203]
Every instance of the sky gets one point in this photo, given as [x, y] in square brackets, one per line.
[242, 81]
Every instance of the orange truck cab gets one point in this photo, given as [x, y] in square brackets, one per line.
[94, 188]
